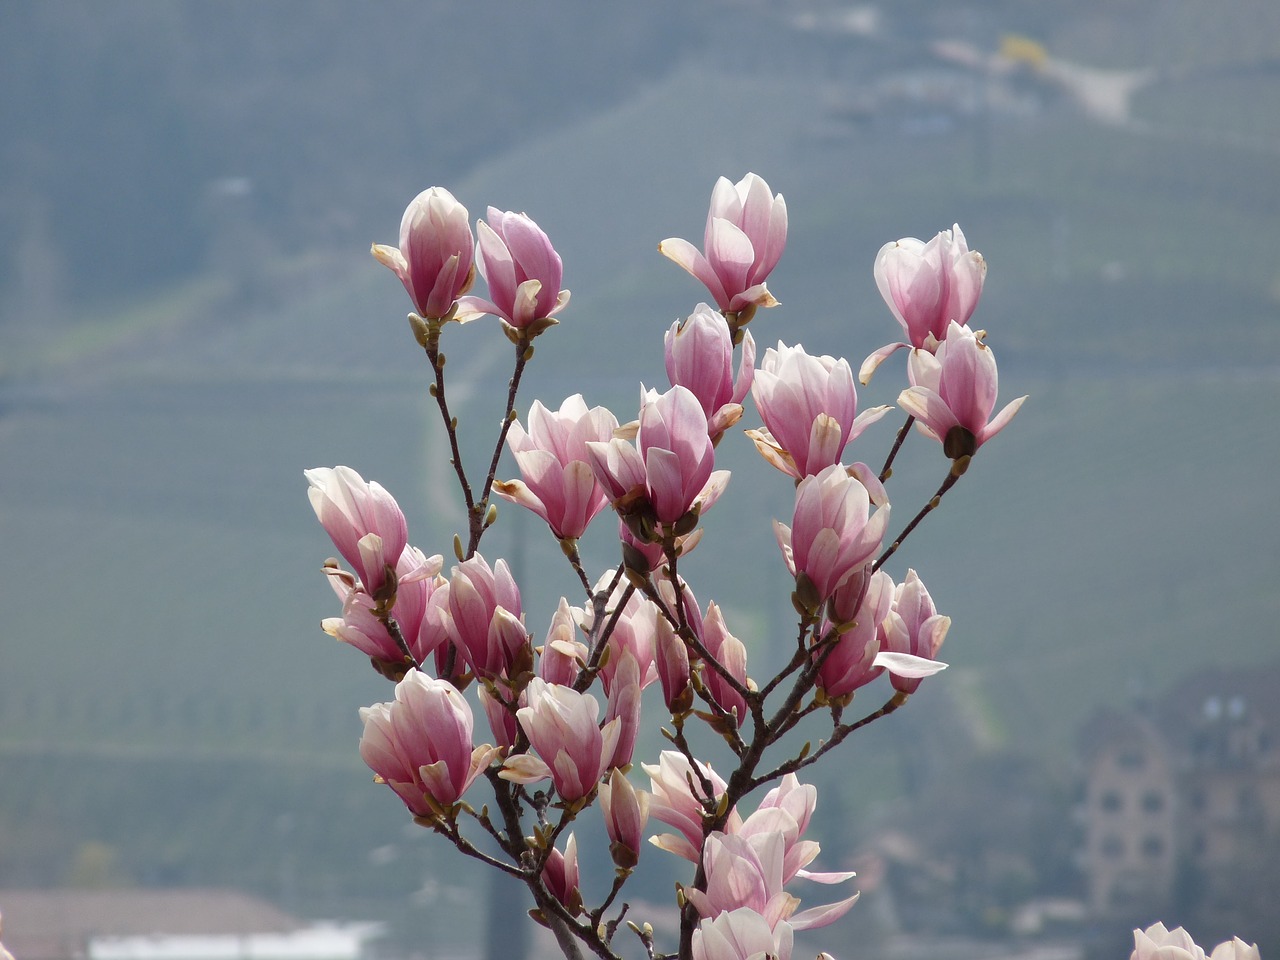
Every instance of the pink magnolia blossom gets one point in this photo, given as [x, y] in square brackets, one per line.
[810, 410]
[731, 654]
[742, 934]
[495, 700]
[559, 484]
[913, 626]
[626, 811]
[364, 522]
[625, 688]
[563, 726]
[851, 663]
[420, 743]
[834, 534]
[749, 870]
[562, 654]
[1159, 943]
[699, 355]
[522, 269]
[953, 393]
[486, 618]
[5, 954]
[746, 233]
[434, 260]
[1235, 949]
[561, 876]
[632, 634]
[669, 470]
[671, 654]
[680, 800]
[421, 612]
[926, 285]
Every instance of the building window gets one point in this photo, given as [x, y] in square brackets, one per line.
[1153, 847]
[1111, 801]
[1152, 801]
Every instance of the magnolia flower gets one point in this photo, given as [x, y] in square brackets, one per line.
[420, 743]
[563, 726]
[1159, 943]
[913, 626]
[487, 625]
[810, 410]
[561, 877]
[834, 534]
[731, 654]
[562, 654]
[926, 285]
[559, 484]
[434, 261]
[625, 810]
[679, 800]
[421, 612]
[625, 689]
[851, 663]
[742, 934]
[745, 235]
[699, 355]
[953, 393]
[364, 522]
[522, 269]
[669, 470]
[748, 870]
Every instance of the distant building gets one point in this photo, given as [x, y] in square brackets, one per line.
[1181, 805]
[196, 924]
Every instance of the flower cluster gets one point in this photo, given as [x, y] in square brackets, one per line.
[1159, 943]
[565, 715]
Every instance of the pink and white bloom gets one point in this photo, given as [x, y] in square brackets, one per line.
[851, 664]
[1235, 949]
[731, 654]
[626, 811]
[486, 619]
[624, 705]
[742, 934]
[833, 534]
[421, 611]
[562, 654]
[1159, 943]
[420, 743]
[699, 355]
[810, 410]
[671, 655]
[670, 469]
[559, 484]
[679, 799]
[954, 391]
[563, 726]
[435, 257]
[926, 285]
[561, 876]
[749, 870]
[745, 235]
[913, 626]
[522, 269]
[364, 522]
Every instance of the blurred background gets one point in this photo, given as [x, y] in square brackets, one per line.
[189, 318]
